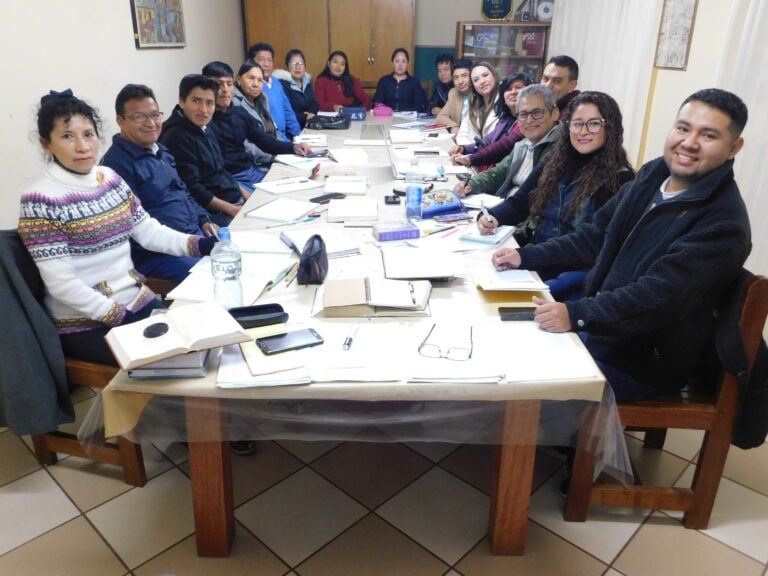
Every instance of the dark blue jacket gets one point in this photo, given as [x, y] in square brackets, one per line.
[406, 95]
[232, 127]
[301, 100]
[199, 160]
[657, 273]
[154, 180]
[440, 95]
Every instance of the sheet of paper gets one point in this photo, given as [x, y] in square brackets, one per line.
[288, 185]
[488, 278]
[314, 140]
[405, 136]
[405, 262]
[349, 155]
[349, 185]
[282, 210]
[338, 243]
[357, 209]
[488, 200]
[259, 242]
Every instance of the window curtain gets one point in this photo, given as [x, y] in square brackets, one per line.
[614, 43]
[743, 69]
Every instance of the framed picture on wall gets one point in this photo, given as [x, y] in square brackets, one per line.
[675, 31]
[158, 23]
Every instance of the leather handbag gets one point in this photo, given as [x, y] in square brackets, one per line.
[338, 122]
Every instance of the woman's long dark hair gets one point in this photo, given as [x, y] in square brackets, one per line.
[501, 107]
[478, 111]
[588, 173]
[346, 77]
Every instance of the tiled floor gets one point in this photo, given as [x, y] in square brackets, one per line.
[327, 509]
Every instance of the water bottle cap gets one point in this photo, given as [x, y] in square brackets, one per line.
[224, 234]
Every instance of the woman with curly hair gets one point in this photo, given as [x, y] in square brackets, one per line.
[587, 166]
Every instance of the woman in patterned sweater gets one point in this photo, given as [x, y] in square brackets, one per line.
[77, 220]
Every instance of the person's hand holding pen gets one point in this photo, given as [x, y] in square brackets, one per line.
[486, 223]
[302, 149]
[209, 228]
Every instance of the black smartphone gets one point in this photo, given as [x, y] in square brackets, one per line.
[289, 341]
[464, 177]
[325, 198]
[511, 313]
[392, 199]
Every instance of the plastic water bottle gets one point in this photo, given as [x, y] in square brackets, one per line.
[226, 266]
[414, 187]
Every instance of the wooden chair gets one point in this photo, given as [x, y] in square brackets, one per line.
[124, 453]
[714, 414]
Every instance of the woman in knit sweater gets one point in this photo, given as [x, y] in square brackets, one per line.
[77, 220]
[336, 88]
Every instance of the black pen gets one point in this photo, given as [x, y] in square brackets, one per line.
[350, 337]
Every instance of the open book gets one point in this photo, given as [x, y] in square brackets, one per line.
[353, 297]
[178, 331]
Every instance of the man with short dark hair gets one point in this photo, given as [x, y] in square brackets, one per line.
[561, 75]
[279, 106]
[444, 66]
[662, 252]
[458, 97]
[197, 153]
[149, 169]
[233, 126]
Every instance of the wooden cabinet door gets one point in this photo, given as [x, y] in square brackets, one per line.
[392, 23]
[351, 33]
[287, 24]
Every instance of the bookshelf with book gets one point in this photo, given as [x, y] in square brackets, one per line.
[511, 46]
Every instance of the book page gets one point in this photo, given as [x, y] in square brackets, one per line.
[488, 278]
[205, 325]
[259, 242]
[405, 262]
[282, 210]
[288, 185]
[350, 185]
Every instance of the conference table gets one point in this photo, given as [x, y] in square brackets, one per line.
[550, 373]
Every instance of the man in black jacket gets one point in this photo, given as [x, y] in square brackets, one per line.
[662, 251]
[198, 157]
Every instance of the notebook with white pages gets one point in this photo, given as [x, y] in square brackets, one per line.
[353, 210]
[282, 210]
[288, 185]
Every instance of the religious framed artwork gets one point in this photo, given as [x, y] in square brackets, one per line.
[158, 23]
[674, 41]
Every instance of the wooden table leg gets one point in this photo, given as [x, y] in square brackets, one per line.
[210, 467]
[513, 477]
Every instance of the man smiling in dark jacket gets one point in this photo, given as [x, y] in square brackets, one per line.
[662, 252]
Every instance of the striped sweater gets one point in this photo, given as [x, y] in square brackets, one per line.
[77, 230]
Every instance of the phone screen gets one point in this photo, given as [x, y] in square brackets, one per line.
[516, 313]
[289, 341]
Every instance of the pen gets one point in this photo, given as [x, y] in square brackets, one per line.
[213, 227]
[413, 292]
[443, 229]
[484, 210]
[290, 222]
[350, 337]
[304, 181]
[291, 276]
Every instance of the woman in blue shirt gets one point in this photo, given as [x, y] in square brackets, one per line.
[399, 90]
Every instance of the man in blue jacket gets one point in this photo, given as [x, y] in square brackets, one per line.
[150, 171]
[279, 106]
[662, 251]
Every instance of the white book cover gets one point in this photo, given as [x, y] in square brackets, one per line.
[358, 209]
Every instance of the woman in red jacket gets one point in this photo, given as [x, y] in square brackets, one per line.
[335, 88]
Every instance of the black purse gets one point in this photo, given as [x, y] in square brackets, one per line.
[338, 122]
[313, 262]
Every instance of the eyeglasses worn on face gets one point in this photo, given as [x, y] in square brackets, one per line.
[535, 114]
[296, 64]
[456, 353]
[141, 118]
[593, 126]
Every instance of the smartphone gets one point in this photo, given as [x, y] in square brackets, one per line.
[511, 314]
[464, 177]
[289, 341]
[392, 199]
[325, 198]
[426, 153]
[453, 217]
[317, 154]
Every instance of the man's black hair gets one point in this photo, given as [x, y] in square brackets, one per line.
[132, 92]
[192, 81]
[218, 69]
[259, 47]
[564, 61]
[726, 102]
[462, 63]
[444, 57]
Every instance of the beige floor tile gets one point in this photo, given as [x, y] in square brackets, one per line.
[655, 467]
[663, 546]
[72, 548]
[255, 473]
[15, 458]
[435, 451]
[372, 547]
[684, 443]
[248, 557]
[604, 533]
[299, 515]
[613, 572]
[545, 553]
[307, 451]
[442, 513]
[145, 521]
[739, 517]
[88, 483]
[81, 393]
[370, 472]
[472, 463]
[29, 507]
[748, 467]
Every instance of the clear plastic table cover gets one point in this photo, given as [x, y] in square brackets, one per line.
[163, 421]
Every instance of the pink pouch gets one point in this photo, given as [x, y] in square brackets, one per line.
[382, 110]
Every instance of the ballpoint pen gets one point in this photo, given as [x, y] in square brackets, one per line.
[484, 210]
[350, 337]
[214, 228]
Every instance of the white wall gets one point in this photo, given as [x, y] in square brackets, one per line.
[87, 45]
[436, 20]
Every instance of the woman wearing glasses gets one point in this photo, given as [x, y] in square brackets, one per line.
[336, 88]
[297, 84]
[586, 167]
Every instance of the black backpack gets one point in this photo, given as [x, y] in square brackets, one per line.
[750, 427]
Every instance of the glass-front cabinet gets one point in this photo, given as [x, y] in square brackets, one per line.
[509, 46]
